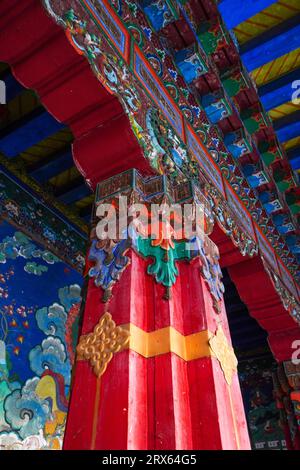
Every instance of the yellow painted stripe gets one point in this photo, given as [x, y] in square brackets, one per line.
[266, 19]
[283, 110]
[65, 177]
[86, 201]
[165, 340]
[289, 144]
[278, 67]
[21, 106]
[47, 147]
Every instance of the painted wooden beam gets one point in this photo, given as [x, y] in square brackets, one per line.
[294, 158]
[278, 91]
[75, 194]
[272, 48]
[235, 12]
[52, 167]
[269, 34]
[289, 132]
[28, 132]
[286, 120]
[295, 163]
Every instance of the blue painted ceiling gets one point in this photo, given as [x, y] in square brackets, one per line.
[268, 33]
[41, 147]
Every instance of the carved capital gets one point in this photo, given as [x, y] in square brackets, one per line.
[172, 224]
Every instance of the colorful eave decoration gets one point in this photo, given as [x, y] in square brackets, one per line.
[179, 122]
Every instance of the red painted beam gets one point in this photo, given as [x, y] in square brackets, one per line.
[42, 58]
[258, 293]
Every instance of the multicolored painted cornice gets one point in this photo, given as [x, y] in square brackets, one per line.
[253, 143]
[168, 116]
[30, 210]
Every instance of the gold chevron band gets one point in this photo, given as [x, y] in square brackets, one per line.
[107, 339]
[165, 340]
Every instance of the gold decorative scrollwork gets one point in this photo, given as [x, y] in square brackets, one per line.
[224, 353]
[99, 346]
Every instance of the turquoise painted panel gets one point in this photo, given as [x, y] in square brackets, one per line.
[192, 63]
[159, 13]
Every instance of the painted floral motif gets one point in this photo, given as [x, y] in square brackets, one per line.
[229, 224]
[109, 263]
[224, 353]
[163, 266]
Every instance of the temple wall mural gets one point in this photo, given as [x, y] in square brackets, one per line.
[39, 311]
[260, 406]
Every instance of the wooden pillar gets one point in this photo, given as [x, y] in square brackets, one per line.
[155, 367]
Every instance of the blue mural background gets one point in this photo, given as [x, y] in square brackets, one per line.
[39, 310]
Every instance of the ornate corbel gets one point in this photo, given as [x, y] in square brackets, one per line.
[288, 300]
[229, 223]
[108, 256]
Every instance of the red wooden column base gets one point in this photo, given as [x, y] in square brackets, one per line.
[149, 396]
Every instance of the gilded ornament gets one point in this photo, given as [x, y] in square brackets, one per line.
[224, 353]
[99, 346]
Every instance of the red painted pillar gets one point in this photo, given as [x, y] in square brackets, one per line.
[155, 368]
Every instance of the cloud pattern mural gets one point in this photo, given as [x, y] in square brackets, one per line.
[25, 411]
[51, 354]
[39, 312]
